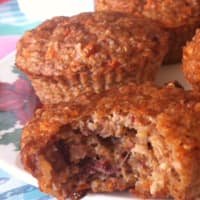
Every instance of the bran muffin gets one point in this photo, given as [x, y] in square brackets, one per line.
[191, 61]
[90, 52]
[179, 17]
[142, 138]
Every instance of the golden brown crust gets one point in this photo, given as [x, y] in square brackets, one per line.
[191, 64]
[166, 118]
[180, 18]
[35, 41]
[91, 51]
[171, 15]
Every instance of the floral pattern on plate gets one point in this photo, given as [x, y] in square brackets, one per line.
[17, 104]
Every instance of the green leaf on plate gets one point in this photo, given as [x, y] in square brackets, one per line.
[7, 120]
[12, 138]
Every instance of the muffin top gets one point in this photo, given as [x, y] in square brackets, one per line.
[170, 13]
[90, 42]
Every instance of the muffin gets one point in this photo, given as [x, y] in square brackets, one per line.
[191, 61]
[90, 52]
[142, 138]
[180, 18]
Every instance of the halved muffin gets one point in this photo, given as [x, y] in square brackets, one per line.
[139, 138]
[180, 18]
[90, 52]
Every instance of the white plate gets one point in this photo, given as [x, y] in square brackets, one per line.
[34, 9]
[14, 83]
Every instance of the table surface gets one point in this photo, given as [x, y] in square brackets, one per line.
[13, 23]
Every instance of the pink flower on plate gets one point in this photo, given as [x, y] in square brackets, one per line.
[19, 98]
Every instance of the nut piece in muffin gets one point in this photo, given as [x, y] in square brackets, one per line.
[90, 52]
[143, 139]
[179, 17]
[191, 61]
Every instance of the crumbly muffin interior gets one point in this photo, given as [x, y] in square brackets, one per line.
[114, 154]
